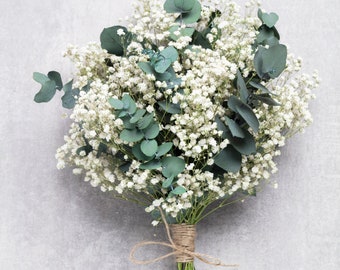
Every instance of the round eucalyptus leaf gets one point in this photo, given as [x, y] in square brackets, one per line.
[184, 5]
[145, 121]
[270, 63]
[178, 190]
[137, 152]
[170, 53]
[131, 135]
[168, 182]
[55, 76]
[270, 19]
[172, 166]
[46, 92]
[164, 149]
[40, 77]
[192, 16]
[169, 107]
[138, 115]
[162, 64]
[111, 41]
[116, 103]
[149, 147]
[151, 131]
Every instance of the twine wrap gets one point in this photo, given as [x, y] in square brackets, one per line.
[183, 249]
[184, 236]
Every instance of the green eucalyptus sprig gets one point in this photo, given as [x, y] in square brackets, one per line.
[141, 129]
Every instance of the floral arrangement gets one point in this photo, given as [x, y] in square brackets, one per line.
[182, 109]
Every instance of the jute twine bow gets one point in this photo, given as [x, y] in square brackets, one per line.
[183, 250]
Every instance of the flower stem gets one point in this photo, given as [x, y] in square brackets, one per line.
[185, 266]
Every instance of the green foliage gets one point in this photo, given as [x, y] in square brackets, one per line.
[234, 128]
[149, 147]
[170, 107]
[152, 131]
[48, 88]
[178, 190]
[229, 159]
[131, 135]
[113, 43]
[184, 32]
[116, 103]
[172, 166]
[164, 149]
[242, 87]
[53, 82]
[69, 98]
[246, 145]
[269, 63]
[190, 10]
[245, 111]
[269, 19]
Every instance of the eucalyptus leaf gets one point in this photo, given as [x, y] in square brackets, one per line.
[68, 99]
[164, 149]
[162, 65]
[169, 107]
[221, 126]
[170, 53]
[249, 116]
[111, 41]
[55, 76]
[149, 147]
[260, 87]
[192, 16]
[269, 63]
[168, 182]
[229, 159]
[40, 78]
[137, 116]
[235, 129]
[116, 103]
[178, 190]
[265, 98]
[269, 19]
[131, 135]
[184, 5]
[137, 152]
[125, 166]
[246, 145]
[151, 165]
[242, 87]
[46, 92]
[146, 67]
[151, 131]
[172, 166]
[145, 121]
[184, 32]
[200, 39]
[129, 104]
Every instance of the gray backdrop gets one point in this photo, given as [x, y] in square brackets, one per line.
[51, 219]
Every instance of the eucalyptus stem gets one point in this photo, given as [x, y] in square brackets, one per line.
[185, 266]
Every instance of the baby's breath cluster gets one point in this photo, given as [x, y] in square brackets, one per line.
[185, 107]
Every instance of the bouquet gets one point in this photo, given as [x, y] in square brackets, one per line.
[182, 111]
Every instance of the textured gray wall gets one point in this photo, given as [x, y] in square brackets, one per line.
[50, 219]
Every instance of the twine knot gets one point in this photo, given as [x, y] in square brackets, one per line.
[182, 241]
